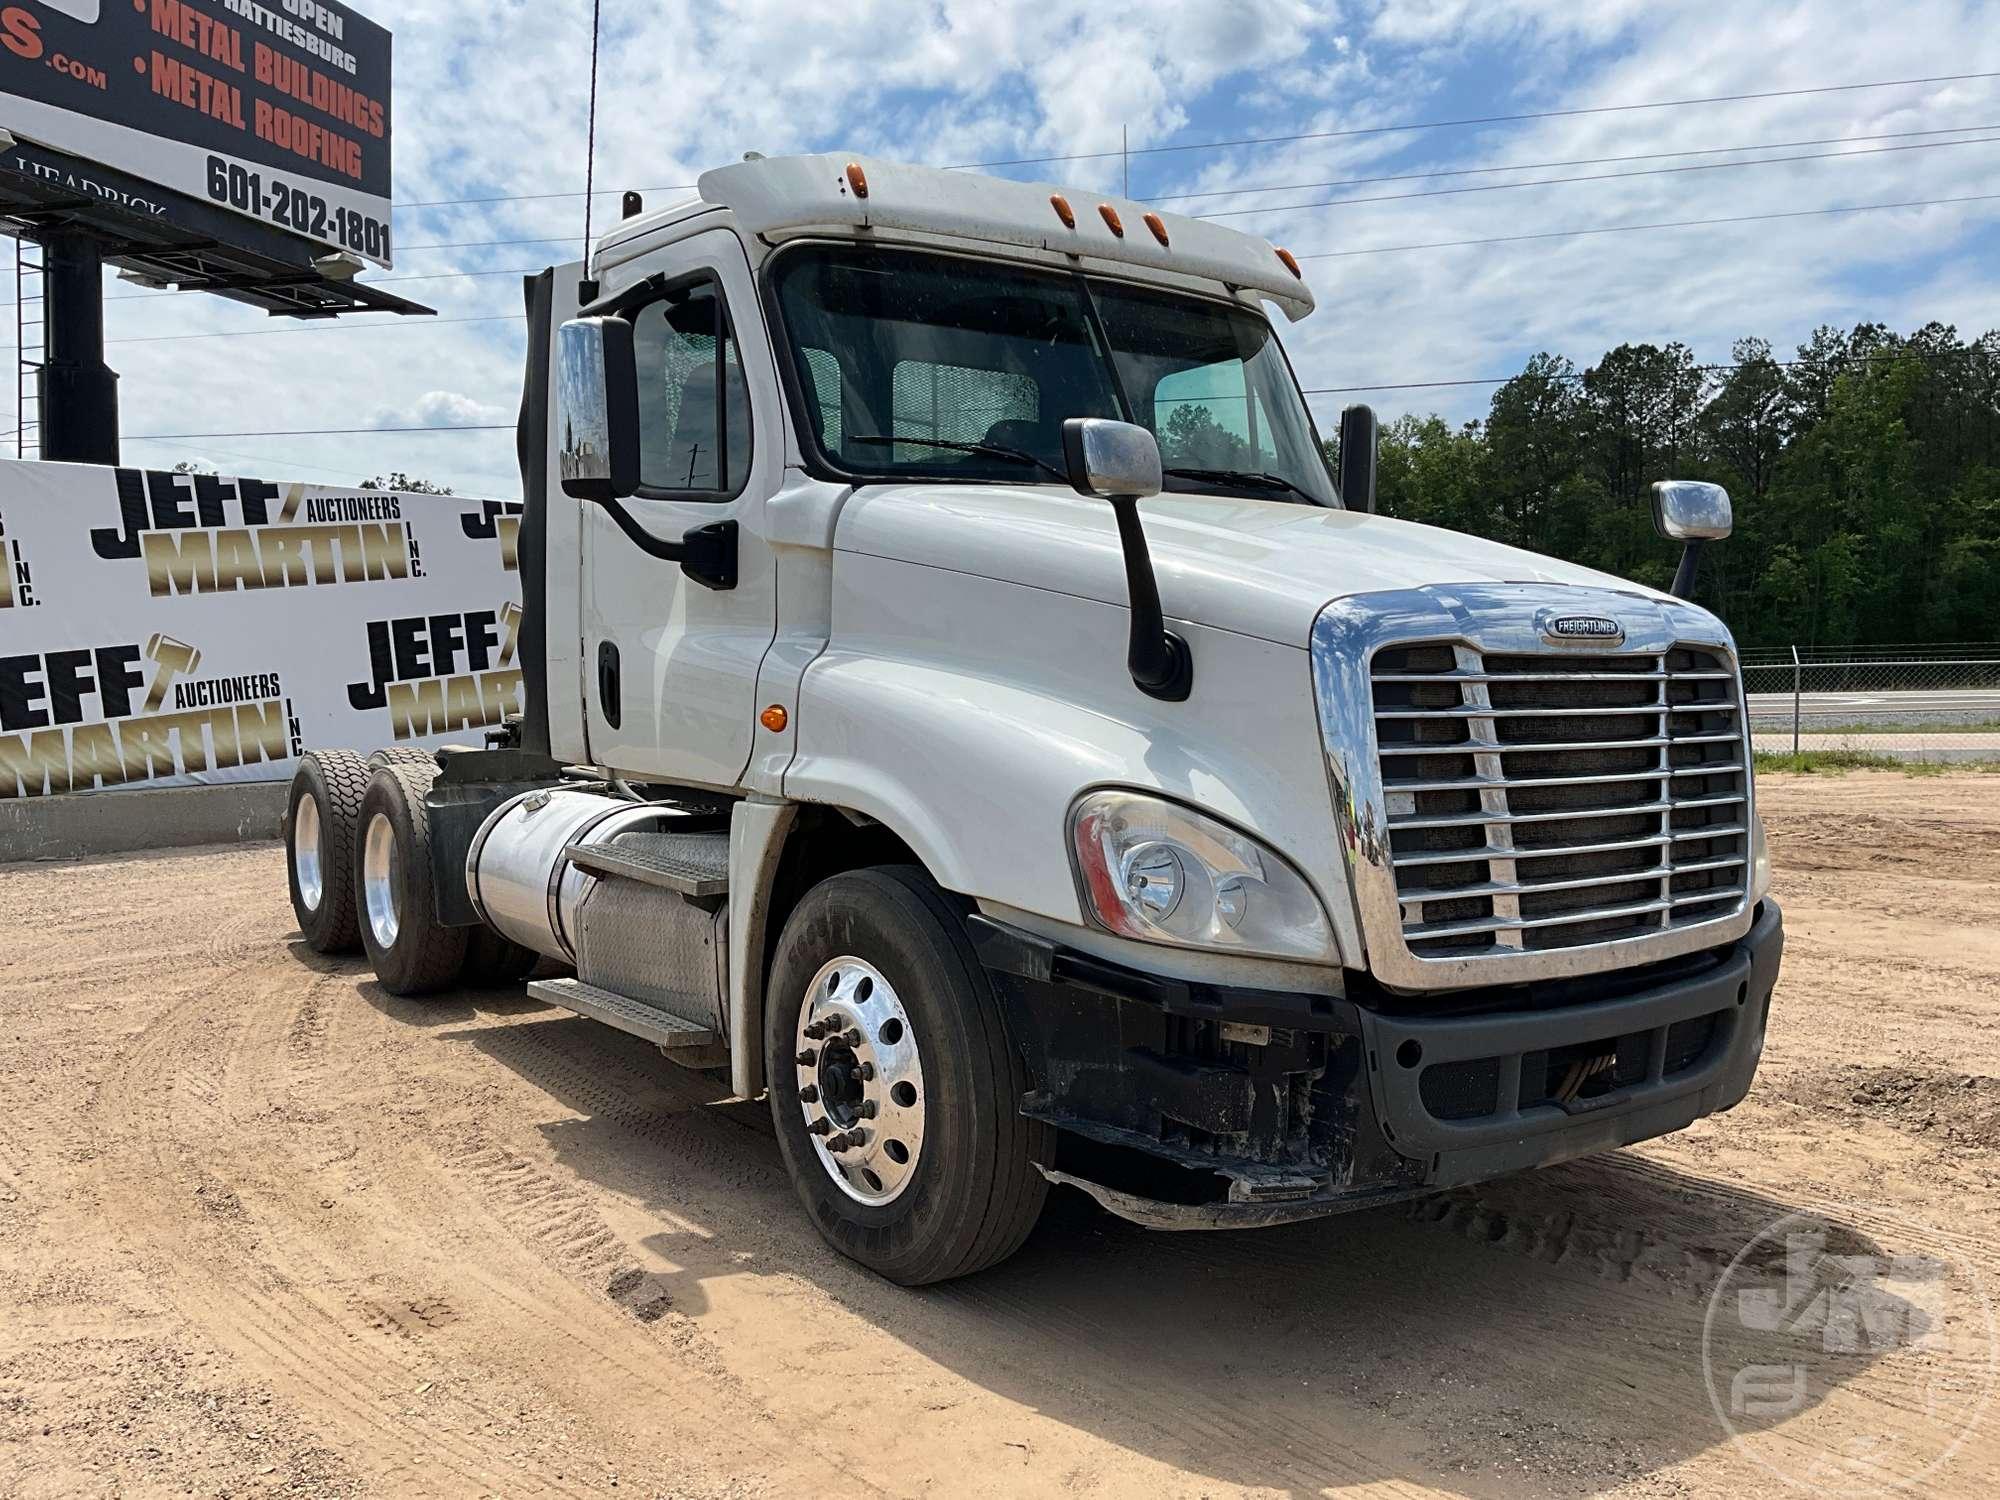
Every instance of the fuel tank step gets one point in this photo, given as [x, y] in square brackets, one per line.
[669, 1033]
[694, 864]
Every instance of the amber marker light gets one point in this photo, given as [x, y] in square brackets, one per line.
[857, 179]
[1291, 263]
[1111, 219]
[775, 718]
[1063, 211]
[1158, 225]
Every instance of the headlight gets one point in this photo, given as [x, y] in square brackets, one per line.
[1760, 861]
[1151, 870]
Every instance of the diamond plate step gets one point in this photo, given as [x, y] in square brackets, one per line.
[695, 864]
[649, 1021]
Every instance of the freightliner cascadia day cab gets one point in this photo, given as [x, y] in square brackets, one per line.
[958, 704]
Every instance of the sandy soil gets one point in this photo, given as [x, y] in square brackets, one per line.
[264, 1229]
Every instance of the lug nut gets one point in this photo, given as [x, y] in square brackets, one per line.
[816, 1030]
[810, 1093]
[852, 1036]
[867, 1109]
[866, 1071]
[821, 1126]
[807, 1057]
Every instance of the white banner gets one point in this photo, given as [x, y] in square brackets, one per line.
[161, 629]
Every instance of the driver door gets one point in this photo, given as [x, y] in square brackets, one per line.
[669, 663]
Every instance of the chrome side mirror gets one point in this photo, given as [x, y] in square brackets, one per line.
[1119, 462]
[597, 407]
[1687, 510]
[1111, 460]
[1693, 513]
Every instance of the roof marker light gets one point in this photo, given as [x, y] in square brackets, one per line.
[1063, 211]
[1158, 226]
[1291, 263]
[857, 179]
[1111, 219]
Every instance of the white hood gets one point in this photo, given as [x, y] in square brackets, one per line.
[1258, 567]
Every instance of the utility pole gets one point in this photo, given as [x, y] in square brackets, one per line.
[1125, 153]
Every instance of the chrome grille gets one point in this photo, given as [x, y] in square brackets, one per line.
[1539, 801]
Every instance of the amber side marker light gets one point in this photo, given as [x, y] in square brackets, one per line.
[1063, 211]
[1111, 219]
[1158, 226]
[774, 718]
[1291, 263]
[857, 179]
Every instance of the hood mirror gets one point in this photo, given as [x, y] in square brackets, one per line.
[1359, 441]
[1119, 462]
[1693, 513]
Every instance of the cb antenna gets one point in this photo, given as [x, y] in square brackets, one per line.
[590, 143]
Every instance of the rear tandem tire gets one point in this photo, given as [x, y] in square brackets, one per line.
[401, 755]
[328, 785]
[395, 906]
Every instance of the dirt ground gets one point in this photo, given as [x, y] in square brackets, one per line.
[265, 1229]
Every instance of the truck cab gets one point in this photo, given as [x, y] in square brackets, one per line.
[960, 706]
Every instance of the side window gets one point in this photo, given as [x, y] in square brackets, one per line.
[694, 408]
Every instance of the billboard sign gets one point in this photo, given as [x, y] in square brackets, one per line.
[164, 629]
[277, 110]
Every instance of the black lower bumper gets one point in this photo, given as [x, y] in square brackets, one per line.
[1193, 1106]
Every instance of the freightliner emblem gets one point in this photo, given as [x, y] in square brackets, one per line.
[1560, 629]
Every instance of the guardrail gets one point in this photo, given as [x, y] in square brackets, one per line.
[1919, 703]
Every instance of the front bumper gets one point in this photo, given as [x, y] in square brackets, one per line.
[1269, 1107]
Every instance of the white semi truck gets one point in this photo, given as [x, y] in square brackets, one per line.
[960, 705]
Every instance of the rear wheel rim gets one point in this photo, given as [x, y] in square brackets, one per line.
[860, 1081]
[378, 881]
[306, 862]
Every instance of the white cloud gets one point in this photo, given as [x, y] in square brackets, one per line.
[490, 100]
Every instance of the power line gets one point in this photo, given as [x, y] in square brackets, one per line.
[1514, 119]
[1580, 161]
[1327, 135]
[1559, 234]
[1498, 187]
[164, 437]
[1866, 357]
[1333, 390]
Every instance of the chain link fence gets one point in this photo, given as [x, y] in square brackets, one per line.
[1936, 703]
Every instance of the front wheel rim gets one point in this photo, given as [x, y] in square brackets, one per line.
[306, 852]
[378, 881]
[860, 1081]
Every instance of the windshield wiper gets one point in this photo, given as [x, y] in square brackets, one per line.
[1261, 479]
[983, 450]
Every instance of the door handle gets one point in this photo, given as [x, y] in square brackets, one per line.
[608, 686]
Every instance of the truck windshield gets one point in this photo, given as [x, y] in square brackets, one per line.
[918, 365]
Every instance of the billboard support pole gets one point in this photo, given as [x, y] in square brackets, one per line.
[79, 392]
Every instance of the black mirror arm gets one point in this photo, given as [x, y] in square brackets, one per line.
[1690, 565]
[1161, 664]
[707, 554]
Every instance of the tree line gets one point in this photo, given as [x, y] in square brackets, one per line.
[1865, 473]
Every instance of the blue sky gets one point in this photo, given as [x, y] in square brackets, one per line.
[491, 100]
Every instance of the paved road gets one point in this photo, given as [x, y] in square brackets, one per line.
[1943, 706]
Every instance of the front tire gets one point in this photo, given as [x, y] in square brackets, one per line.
[319, 847]
[881, 1032]
[396, 907]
